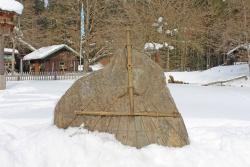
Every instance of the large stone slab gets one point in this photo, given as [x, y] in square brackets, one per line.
[107, 91]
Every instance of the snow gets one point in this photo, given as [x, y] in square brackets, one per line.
[155, 24]
[157, 46]
[9, 51]
[46, 3]
[46, 51]
[217, 120]
[153, 46]
[159, 25]
[218, 73]
[11, 6]
[96, 67]
[170, 47]
[168, 32]
[212, 101]
[243, 46]
[160, 19]
[160, 29]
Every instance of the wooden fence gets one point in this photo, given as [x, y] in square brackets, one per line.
[43, 76]
[226, 81]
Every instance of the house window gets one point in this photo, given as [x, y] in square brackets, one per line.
[61, 65]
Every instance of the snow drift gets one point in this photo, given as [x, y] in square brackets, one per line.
[219, 130]
[218, 73]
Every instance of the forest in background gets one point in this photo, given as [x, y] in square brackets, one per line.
[201, 31]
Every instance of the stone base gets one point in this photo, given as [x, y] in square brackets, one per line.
[2, 82]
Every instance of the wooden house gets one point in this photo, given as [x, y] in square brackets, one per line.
[153, 50]
[159, 53]
[53, 58]
[239, 54]
[7, 21]
[9, 10]
[9, 60]
[104, 60]
[8, 14]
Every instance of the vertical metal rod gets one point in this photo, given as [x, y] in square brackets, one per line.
[13, 57]
[130, 71]
[1, 55]
[2, 70]
[21, 66]
[53, 65]
[87, 29]
[74, 64]
[80, 62]
[168, 61]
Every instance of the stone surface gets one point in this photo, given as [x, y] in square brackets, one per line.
[107, 90]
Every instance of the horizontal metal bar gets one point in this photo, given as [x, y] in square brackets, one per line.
[146, 114]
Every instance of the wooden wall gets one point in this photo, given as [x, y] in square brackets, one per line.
[6, 22]
[239, 55]
[105, 60]
[242, 56]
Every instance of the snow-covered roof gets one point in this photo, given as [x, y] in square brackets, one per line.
[9, 51]
[97, 67]
[47, 51]
[242, 46]
[11, 6]
[153, 46]
[157, 46]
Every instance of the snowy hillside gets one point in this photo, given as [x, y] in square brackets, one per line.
[219, 130]
[218, 73]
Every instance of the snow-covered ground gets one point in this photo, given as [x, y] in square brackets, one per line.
[218, 73]
[217, 120]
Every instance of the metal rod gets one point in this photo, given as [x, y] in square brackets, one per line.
[2, 69]
[130, 71]
[146, 114]
[80, 62]
[21, 66]
[81, 42]
[13, 57]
